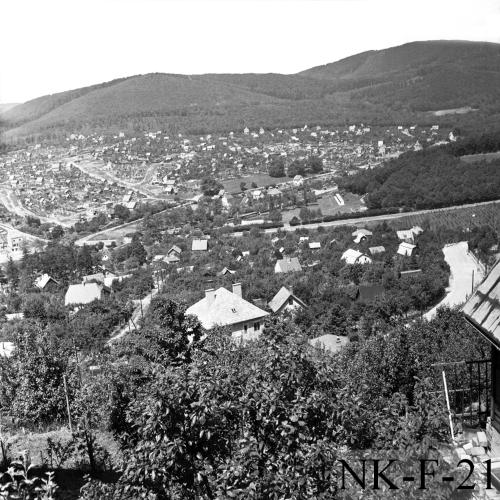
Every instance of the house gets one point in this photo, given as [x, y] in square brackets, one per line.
[368, 293]
[226, 271]
[351, 257]
[199, 245]
[482, 311]
[409, 234]
[46, 283]
[406, 249]
[377, 250]
[361, 234]
[285, 300]
[15, 243]
[315, 245]
[172, 259]
[329, 342]
[158, 259]
[85, 293]
[224, 308]
[287, 265]
[174, 250]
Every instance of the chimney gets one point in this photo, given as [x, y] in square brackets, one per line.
[210, 294]
[237, 289]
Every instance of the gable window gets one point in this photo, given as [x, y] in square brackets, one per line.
[256, 326]
[290, 301]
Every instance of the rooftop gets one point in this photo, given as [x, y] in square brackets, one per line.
[483, 307]
[222, 307]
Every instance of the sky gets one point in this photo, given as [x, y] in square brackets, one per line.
[54, 45]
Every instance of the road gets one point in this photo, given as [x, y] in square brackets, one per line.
[13, 204]
[464, 269]
[374, 218]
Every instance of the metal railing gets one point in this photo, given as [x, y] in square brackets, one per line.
[468, 385]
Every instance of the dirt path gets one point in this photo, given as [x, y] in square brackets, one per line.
[464, 270]
[133, 322]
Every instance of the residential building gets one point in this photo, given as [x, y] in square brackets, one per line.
[85, 293]
[224, 308]
[406, 249]
[285, 300]
[377, 250]
[287, 265]
[199, 245]
[174, 250]
[352, 256]
[46, 283]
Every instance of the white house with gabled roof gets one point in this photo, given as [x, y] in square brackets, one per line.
[224, 308]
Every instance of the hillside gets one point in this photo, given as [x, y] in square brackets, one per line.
[403, 83]
[6, 106]
[432, 178]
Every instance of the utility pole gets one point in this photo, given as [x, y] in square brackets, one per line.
[67, 403]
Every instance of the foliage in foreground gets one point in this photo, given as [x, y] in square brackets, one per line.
[271, 420]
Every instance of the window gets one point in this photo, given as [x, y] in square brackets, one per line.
[245, 328]
[290, 301]
[256, 326]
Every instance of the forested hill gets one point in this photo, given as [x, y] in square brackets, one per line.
[400, 84]
[433, 178]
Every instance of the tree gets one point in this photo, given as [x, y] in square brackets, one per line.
[36, 372]
[315, 164]
[275, 216]
[210, 186]
[277, 167]
[243, 186]
[12, 272]
[121, 212]
[254, 185]
[296, 168]
[57, 232]
[304, 214]
[137, 251]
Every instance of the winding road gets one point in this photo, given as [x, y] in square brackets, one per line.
[466, 272]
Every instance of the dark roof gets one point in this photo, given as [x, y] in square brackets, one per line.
[367, 293]
[483, 307]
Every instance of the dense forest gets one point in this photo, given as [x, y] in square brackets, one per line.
[431, 178]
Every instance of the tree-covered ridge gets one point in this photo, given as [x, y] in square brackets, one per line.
[396, 85]
[432, 178]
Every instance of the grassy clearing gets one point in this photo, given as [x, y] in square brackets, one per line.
[262, 180]
[481, 157]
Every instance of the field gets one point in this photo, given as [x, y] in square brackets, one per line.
[233, 185]
[117, 233]
[460, 218]
[480, 157]
[329, 206]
